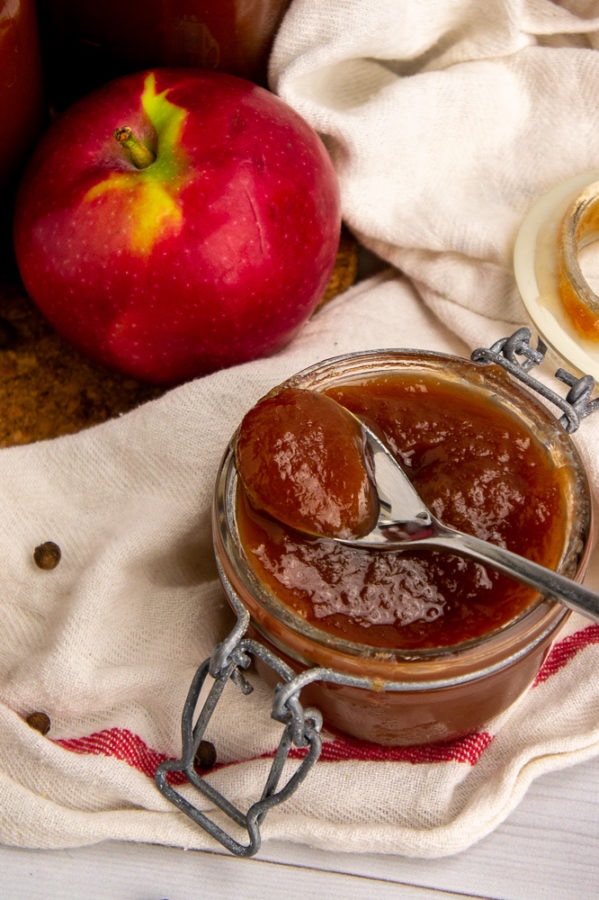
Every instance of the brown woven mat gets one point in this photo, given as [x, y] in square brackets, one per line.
[47, 389]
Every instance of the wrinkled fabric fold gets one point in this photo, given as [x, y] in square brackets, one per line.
[445, 121]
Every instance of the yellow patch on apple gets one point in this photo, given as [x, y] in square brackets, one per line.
[154, 210]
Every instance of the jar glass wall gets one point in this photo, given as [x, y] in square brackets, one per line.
[415, 695]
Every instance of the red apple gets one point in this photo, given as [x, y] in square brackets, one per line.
[176, 221]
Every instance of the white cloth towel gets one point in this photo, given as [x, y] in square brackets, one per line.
[445, 120]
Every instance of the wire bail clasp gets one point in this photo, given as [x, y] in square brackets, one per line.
[516, 355]
[302, 729]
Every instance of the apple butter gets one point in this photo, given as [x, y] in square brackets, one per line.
[302, 460]
[474, 464]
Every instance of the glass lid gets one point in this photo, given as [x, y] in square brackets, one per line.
[553, 221]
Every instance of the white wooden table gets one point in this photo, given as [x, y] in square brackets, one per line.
[548, 849]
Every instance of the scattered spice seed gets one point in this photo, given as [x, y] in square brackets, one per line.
[40, 721]
[205, 755]
[47, 555]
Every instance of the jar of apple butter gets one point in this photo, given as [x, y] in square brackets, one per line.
[419, 646]
[386, 647]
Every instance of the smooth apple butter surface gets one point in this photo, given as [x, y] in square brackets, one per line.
[301, 458]
[477, 467]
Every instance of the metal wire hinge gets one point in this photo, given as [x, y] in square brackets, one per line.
[302, 729]
[516, 355]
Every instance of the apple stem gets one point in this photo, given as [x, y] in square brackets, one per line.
[139, 154]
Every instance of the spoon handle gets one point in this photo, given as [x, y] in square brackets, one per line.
[546, 581]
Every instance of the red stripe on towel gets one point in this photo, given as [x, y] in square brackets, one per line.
[565, 650]
[468, 749]
[118, 743]
[122, 744]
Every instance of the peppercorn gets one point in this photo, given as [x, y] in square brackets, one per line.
[47, 555]
[40, 721]
[205, 755]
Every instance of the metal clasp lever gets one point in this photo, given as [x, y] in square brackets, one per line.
[516, 356]
[302, 728]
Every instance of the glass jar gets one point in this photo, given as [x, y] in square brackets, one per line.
[387, 695]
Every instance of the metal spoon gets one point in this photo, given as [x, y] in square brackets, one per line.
[405, 521]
